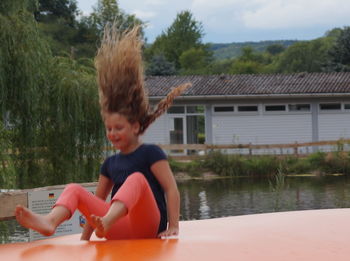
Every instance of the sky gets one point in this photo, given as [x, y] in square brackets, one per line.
[227, 21]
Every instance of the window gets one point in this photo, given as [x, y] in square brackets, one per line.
[299, 107]
[195, 109]
[223, 109]
[176, 109]
[247, 108]
[347, 106]
[275, 107]
[330, 106]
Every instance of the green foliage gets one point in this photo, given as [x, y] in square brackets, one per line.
[159, 65]
[250, 62]
[108, 11]
[7, 169]
[194, 61]
[22, 69]
[193, 168]
[340, 53]
[49, 106]
[246, 67]
[278, 186]
[261, 166]
[8, 7]
[184, 33]
[275, 49]
[308, 56]
[50, 10]
[224, 164]
[332, 162]
[295, 165]
[220, 66]
[58, 24]
[76, 120]
[234, 50]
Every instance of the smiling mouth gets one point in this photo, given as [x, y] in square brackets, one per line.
[115, 141]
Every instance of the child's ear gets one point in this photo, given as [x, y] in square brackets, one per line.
[136, 127]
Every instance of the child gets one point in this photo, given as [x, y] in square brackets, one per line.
[145, 198]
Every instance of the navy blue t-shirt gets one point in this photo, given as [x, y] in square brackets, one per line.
[119, 166]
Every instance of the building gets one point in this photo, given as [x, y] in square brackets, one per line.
[257, 109]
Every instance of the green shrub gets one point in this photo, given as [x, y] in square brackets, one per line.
[261, 166]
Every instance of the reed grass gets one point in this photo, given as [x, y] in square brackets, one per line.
[223, 164]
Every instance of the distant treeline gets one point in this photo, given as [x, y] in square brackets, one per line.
[234, 50]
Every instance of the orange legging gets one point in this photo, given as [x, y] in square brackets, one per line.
[142, 219]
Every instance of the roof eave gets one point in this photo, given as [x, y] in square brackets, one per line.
[255, 96]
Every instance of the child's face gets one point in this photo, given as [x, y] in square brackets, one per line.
[120, 132]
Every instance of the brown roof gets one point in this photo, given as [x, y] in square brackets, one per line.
[258, 84]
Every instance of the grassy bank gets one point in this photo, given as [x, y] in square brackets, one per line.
[221, 164]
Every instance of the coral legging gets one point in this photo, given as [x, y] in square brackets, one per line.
[142, 219]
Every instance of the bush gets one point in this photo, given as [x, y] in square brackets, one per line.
[261, 166]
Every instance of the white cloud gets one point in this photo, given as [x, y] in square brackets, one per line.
[143, 15]
[228, 20]
[154, 2]
[283, 14]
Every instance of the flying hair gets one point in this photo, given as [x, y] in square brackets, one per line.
[120, 78]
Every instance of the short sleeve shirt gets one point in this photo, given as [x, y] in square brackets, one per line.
[119, 166]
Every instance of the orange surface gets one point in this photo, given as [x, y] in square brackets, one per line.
[299, 235]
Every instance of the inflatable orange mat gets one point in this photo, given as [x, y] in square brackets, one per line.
[299, 235]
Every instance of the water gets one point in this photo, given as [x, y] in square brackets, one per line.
[202, 199]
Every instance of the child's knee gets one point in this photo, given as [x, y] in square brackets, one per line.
[137, 176]
[73, 187]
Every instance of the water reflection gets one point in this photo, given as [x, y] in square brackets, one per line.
[231, 197]
[202, 199]
[204, 209]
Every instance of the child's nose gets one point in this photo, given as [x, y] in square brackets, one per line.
[112, 133]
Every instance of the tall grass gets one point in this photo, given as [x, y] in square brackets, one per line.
[224, 164]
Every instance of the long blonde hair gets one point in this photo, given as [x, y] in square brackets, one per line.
[120, 77]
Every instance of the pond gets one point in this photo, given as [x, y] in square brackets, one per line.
[202, 199]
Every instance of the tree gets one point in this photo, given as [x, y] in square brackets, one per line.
[49, 106]
[184, 33]
[159, 65]
[108, 11]
[308, 56]
[194, 61]
[275, 49]
[51, 10]
[57, 21]
[246, 67]
[220, 66]
[250, 62]
[340, 53]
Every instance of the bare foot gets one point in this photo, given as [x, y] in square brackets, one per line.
[101, 227]
[34, 221]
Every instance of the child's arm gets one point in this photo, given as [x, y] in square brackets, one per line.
[104, 187]
[165, 177]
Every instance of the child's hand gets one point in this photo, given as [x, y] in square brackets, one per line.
[170, 232]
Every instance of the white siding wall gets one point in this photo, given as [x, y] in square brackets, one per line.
[333, 126]
[262, 129]
[158, 132]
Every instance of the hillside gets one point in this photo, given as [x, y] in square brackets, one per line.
[233, 50]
